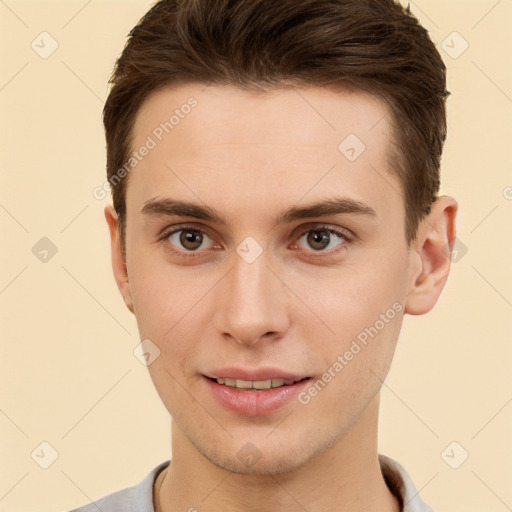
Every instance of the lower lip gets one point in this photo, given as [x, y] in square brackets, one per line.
[251, 402]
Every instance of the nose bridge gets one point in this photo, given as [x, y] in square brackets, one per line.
[250, 281]
[252, 305]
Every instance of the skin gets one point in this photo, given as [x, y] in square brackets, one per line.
[296, 307]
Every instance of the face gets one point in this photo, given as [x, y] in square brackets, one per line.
[261, 252]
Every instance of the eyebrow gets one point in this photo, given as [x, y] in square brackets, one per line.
[339, 205]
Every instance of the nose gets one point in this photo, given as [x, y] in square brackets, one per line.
[252, 303]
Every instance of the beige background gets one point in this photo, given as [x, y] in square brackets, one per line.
[68, 373]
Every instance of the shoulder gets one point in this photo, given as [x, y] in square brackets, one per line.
[138, 498]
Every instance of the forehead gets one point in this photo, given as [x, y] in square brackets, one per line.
[314, 113]
[282, 143]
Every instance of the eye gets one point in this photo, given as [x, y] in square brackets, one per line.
[188, 239]
[322, 239]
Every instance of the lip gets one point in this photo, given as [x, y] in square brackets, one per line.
[251, 402]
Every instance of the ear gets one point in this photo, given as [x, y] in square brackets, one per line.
[118, 261]
[431, 256]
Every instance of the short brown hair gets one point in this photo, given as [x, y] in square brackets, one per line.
[374, 45]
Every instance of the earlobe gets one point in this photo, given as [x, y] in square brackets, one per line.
[117, 256]
[431, 256]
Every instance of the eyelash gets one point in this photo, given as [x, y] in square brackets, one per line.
[343, 234]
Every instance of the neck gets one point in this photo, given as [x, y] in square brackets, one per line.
[343, 478]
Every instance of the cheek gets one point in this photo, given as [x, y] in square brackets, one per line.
[163, 306]
[363, 306]
[168, 303]
[157, 295]
[355, 365]
[349, 299]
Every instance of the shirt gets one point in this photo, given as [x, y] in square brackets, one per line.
[140, 497]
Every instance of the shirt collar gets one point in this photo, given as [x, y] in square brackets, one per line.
[395, 475]
[401, 485]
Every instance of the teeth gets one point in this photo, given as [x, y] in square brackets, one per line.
[262, 384]
[243, 384]
[255, 384]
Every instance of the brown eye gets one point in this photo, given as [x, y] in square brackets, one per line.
[191, 240]
[318, 239]
[188, 239]
[321, 239]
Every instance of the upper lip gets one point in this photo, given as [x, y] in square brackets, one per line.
[253, 374]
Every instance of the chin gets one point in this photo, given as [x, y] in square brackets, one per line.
[266, 465]
[262, 456]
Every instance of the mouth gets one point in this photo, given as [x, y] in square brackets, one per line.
[257, 385]
[254, 393]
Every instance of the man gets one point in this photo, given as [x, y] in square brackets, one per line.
[275, 174]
